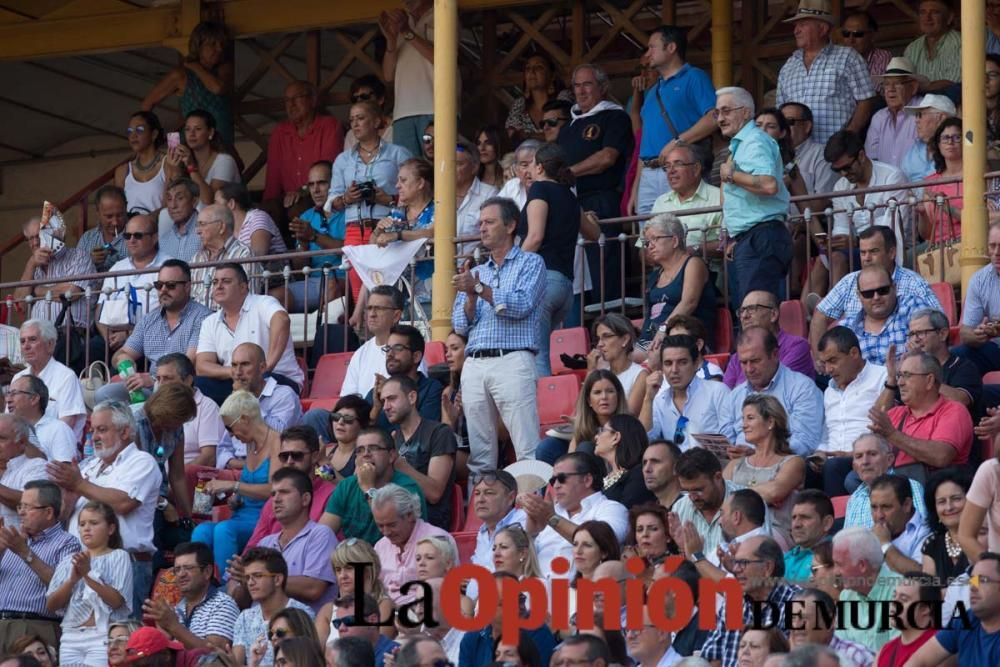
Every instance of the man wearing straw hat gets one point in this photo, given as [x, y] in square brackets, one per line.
[893, 131]
[832, 80]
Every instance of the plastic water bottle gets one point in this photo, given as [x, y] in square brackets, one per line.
[88, 447]
[126, 367]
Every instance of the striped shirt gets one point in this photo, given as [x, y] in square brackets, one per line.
[257, 220]
[895, 331]
[946, 65]
[852, 654]
[831, 87]
[723, 644]
[152, 337]
[94, 238]
[173, 243]
[23, 591]
[510, 323]
[878, 63]
[216, 614]
[64, 264]
[843, 301]
[859, 507]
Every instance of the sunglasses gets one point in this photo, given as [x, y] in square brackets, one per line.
[280, 633]
[490, 477]
[679, 430]
[362, 97]
[337, 417]
[856, 34]
[138, 129]
[169, 284]
[229, 427]
[138, 236]
[341, 622]
[427, 138]
[553, 122]
[563, 477]
[285, 457]
[881, 291]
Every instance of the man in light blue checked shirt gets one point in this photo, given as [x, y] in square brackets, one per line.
[496, 308]
[884, 319]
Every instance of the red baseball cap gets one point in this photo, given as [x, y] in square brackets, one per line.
[147, 641]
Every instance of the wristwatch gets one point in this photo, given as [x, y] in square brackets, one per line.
[886, 547]
[553, 520]
[408, 35]
[30, 558]
[697, 556]
[370, 493]
[891, 387]
[479, 288]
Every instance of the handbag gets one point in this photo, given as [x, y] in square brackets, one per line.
[939, 263]
[70, 345]
[93, 378]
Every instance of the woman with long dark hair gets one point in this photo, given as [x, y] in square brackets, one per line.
[621, 443]
[541, 85]
[938, 224]
[944, 497]
[492, 145]
[143, 178]
[202, 157]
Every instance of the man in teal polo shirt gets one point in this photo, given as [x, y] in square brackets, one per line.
[348, 507]
[755, 200]
[812, 518]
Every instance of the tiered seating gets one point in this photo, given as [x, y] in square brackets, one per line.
[434, 352]
[568, 341]
[792, 318]
[556, 396]
[839, 506]
[723, 330]
[329, 378]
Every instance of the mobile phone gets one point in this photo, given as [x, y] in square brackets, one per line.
[173, 139]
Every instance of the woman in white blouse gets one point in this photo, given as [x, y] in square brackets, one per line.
[92, 587]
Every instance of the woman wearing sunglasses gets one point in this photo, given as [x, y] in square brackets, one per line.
[348, 555]
[284, 625]
[349, 416]
[143, 178]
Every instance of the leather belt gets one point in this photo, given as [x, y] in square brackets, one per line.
[25, 616]
[494, 352]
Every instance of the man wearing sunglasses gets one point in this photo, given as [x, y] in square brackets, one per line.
[299, 450]
[858, 32]
[884, 320]
[305, 544]
[172, 328]
[980, 644]
[348, 625]
[141, 242]
[555, 114]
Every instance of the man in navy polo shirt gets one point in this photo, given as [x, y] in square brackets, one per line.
[678, 108]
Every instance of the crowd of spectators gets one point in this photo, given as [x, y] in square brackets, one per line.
[822, 473]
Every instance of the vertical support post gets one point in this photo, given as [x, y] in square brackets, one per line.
[668, 12]
[974, 216]
[490, 50]
[722, 43]
[446, 136]
[576, 49]
[313, 57]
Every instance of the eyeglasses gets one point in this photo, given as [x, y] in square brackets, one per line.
[562, 477]
[181, 569]
[396, 349]
[724, 111]
[650, 240]
[679, 430]
[169, 284]
[882, 290]
[138, 236]
[667, 166]
[285, 457]
[741, 563]
[20, 392]
[361, 450]
[23, 507]
[257, 576]
[138, 129]
[427, 138]
[116, 641]
[490, 477]
[553, 122]
[340, 622]
[379, 309]
[978, 580]
[752, 308]
[847, 167]
[920, 333]
[856, 34]
[206, 223]
[229, 427]
[906, 375]
[337, 417]
[362, 97]
[280, 633]
[950, 139]
[639, 631]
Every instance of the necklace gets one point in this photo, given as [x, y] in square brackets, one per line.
[139, 166]
[953, 548]
[610, 480]
[372, 152]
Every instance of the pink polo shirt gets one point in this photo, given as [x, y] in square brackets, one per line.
[267, 524]
[290, 156]
[947, 421]
[400, 565]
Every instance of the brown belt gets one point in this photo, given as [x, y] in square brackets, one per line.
[142, 556]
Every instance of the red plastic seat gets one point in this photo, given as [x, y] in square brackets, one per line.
[946, 295]
[466, 543]
[556, 396]
[792, 318]
[839, 506]
[305, 374]
[323, 403]
[723, 330]
[434, 352]
[567, 341]
[720, 360]
[472, 521]
[457, 509]
[330, 374]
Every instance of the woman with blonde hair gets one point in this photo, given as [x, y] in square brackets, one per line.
[241, 416]
[513, 552]
[435, 556]
[118, 634]
[772, 470]
[345, 557]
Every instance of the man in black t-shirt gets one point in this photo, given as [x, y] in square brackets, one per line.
[426, 448]
[598, 142]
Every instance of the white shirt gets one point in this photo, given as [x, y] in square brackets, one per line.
[65, 393]
[513, 190]
[137, 474]
[366, 361]
[704, 409]
[55, 439]
[911, 541]
[205, 430]
[882, 174]
[847, 408]
[414, 77]
[595, 507]
[467, 215]
[149, 300]
[254, 326]
[629, 376]
[20, 470]
[223, 169]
